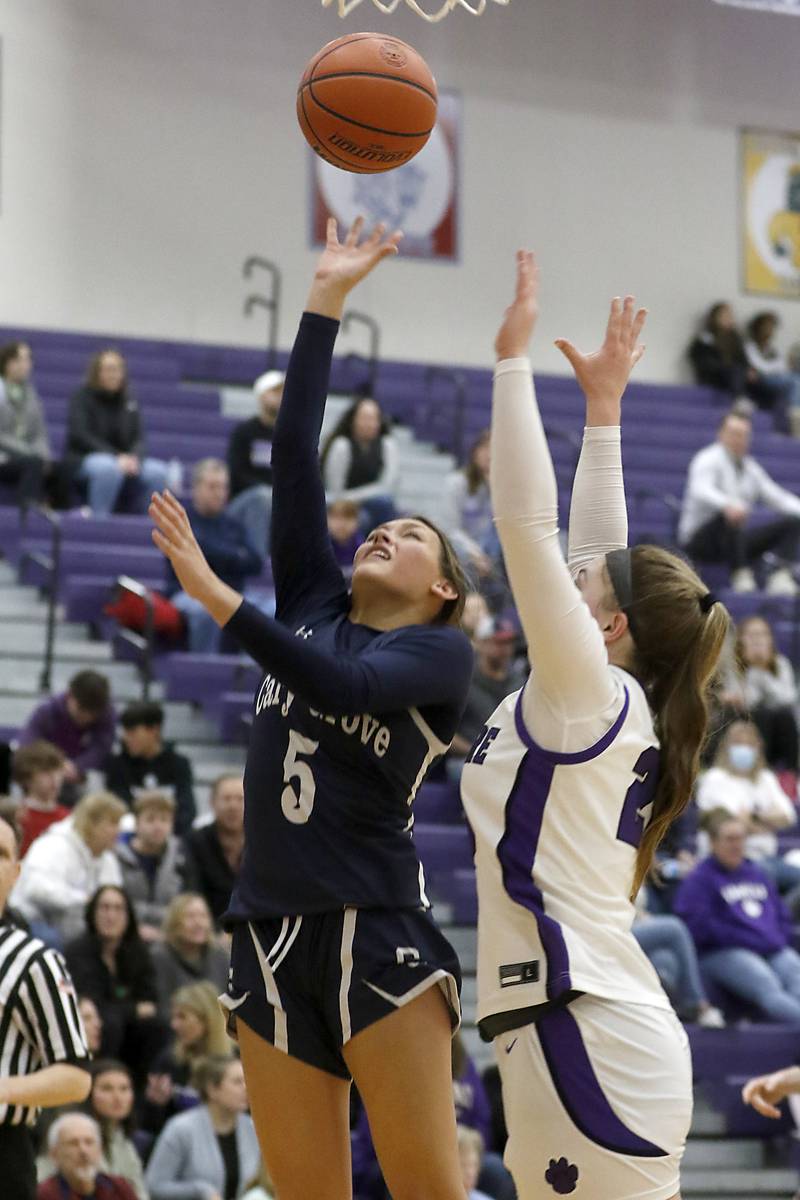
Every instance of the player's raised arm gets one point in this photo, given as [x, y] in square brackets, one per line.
[598, 519]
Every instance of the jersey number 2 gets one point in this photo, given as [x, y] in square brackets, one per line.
[640, 794]
[297, 802]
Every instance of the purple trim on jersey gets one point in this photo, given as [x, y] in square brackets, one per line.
[516, 852]
[579, 756]
[579, 1088]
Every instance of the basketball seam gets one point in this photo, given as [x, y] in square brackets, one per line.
[313, 78]
[349, 40]
[361, 125]
[347, 165]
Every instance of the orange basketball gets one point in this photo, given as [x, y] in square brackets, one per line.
[367, 103]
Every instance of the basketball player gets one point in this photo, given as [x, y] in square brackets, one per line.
[337, 969]
[569, 789]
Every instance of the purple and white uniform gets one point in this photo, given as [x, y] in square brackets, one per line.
[557, 788]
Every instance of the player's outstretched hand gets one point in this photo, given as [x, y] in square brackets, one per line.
[604, 375]
[174, 537]
[344, 264]
[765, 1092]
[519, 321]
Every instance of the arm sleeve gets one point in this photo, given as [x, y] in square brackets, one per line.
[422, 666]
[773, 495]
[49, 1009]
[598, 518]
[303, 563]
[337, 464]
[571, 679]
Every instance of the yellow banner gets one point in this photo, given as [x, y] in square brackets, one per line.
[770, 175]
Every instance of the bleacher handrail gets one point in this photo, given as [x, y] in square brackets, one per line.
[352, 316]
[458, 381]
[51, 563]
[271, 303]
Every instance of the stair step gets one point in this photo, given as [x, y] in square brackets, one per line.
[742, 1183]
[705, 1154]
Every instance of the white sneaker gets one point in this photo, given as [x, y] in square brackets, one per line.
[781, 583]
[711, 1018]
[743, 580]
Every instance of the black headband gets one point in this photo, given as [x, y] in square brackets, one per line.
[620, 573]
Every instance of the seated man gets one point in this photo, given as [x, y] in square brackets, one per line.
[225, 544]
[147, 763]
[250, 461]
[76, 1149]
[155, 865]
[24, 445]
[81, 723]
[39, 771]
[724, 485]
[216, 849]
[740, 925]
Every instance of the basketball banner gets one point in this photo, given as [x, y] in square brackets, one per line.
[422, 198]
[770, 183]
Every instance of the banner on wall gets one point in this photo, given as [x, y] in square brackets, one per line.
[770, 170]
[422, 198]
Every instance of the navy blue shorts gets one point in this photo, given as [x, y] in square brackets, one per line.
[308, 984]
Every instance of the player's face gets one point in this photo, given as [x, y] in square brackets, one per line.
[401, 557]
[9, 863]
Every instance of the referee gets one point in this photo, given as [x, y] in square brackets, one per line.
[43, 1053]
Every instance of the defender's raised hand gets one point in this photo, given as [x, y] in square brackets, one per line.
[342, 265]
[520, 317]
[604, 375]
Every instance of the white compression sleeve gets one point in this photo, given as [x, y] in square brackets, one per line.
[598, 518]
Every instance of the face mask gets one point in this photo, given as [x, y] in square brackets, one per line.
[485, 627]
[741, 756]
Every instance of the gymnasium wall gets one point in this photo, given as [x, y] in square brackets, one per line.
[148, 147]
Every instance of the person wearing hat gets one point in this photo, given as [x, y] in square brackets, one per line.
[250, 461]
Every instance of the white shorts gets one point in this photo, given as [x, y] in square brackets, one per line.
[598, 1102]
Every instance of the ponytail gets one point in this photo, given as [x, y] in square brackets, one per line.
[678, 644]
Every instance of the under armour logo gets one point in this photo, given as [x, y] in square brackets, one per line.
[303, 632]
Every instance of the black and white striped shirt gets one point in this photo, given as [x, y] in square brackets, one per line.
[39, 1020]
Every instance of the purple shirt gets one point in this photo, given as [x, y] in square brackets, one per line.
[741, 908]
[87, 746]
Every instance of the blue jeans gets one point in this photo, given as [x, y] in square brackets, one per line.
[770, 983]
[253, 508]
[204, 633]
[668, 944]
[105, 481]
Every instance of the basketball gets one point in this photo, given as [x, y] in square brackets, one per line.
[367, 103]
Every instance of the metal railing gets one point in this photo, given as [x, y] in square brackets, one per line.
[271, 302]
[352, 317]
[458, 385]
[50, 563]
[143, 642]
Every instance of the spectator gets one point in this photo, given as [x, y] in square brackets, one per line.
[105, 439]
[360, 461]
[769, 691]
[199, 1028]
[212, 1150]
[345, 534]
[468, 518]
[111, 963]
[188, 953]
[110, 1103]
[474, 1113]
[741, 927]
[216, 848]
[477, 621]
[155, 865]
[92, 1024]
[24, 445]
[250, 462]
[772, 366]
[65, 866]
[724, 485]
[74, 1144]
[470, 1154]
[146, 763]
[225, 544]
[741, 784]
[38, 769]
[719, 359]
[80, 722]
[668, 944]
[495, 675]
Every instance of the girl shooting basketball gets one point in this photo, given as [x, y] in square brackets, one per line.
[571, 786]
[337, 970]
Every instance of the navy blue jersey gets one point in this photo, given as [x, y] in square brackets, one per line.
[347, 719]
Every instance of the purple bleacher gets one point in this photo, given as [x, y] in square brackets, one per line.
[443, 848]
[235, 713]
[438, 804]
[84, 595]
[723, 1059]
[107, 561]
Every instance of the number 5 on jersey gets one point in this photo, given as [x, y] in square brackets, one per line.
[297, 800]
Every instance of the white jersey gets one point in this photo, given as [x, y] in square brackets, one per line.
[555, 848]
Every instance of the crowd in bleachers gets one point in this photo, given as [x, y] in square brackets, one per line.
[121, 873]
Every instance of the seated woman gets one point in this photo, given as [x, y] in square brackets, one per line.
[360, 462]
[212, 1150]
[199, 1031]
[769, 690]
[772, 365]
[111, 1104]
[741, 784]
[105, 438]
[110, 963]
[189, 952]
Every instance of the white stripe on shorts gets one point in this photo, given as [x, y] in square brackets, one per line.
[281, 1036]
[298, 921]
[348, 933]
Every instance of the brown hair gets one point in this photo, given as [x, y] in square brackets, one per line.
[90, 691]
[31, 759]
[476, 477]
[741, 663]
[210, 1071]
[8, 352]
[95, 362]
[201, 1000]
[677, 649]
[450, 566]
[154, 801]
